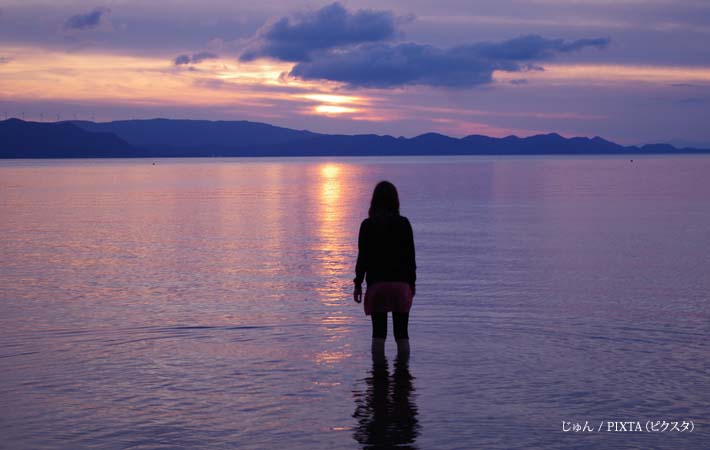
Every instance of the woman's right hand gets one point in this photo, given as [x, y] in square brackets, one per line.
[357, 293]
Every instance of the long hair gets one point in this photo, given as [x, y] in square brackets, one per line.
[385, 200]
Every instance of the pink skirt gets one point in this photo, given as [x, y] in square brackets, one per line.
[388, 296]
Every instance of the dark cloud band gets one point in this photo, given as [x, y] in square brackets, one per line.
[388, 66]
[88, 21]
[195, 58]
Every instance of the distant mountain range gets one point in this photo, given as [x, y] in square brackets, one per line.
[192, 138]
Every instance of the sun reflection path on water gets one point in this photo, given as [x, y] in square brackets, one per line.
[336, 249]
[334, 243]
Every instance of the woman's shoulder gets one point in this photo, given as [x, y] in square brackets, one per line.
[404, 220]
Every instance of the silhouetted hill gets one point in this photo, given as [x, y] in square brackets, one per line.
[438, 144]
[551, 143]
[165, 137]
[177, 137]
[20, 139]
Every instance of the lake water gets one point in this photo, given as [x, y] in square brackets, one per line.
[206, 303]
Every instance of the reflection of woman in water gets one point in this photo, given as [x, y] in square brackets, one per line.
[386, 261]
[385, 410]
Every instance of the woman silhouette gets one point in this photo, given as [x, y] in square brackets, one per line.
[386, 262]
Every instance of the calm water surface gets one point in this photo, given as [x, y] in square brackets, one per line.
[206, 303]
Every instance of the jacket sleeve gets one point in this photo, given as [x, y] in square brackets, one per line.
[362, 257]
[410, 255]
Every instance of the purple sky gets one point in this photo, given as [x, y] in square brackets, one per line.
[634, 71]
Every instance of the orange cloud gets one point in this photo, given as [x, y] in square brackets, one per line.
[610, 74]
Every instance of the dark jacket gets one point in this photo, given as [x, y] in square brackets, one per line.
[386, 250]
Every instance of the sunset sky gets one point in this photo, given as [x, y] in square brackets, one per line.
[633, 71]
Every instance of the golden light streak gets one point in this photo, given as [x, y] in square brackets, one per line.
[258, 71]
[335, 104]
[334, 109]
[334, 99]
[608, 73]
